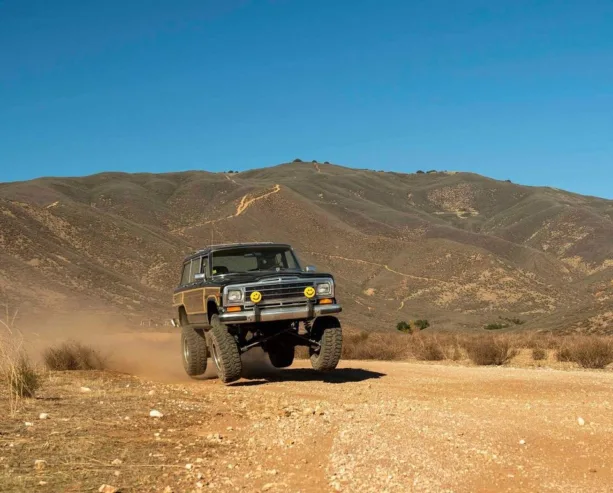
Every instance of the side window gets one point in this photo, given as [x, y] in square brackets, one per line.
[185, 275]
[195, 269]
[205, 266]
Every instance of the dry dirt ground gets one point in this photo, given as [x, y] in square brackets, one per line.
[369, 426]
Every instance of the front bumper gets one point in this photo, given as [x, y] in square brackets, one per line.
[263, 314]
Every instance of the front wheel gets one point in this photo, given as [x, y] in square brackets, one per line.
[224, 351]
[327, 331]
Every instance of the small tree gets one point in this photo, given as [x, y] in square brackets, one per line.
[404, 327]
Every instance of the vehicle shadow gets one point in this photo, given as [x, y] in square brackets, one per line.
[340, 375]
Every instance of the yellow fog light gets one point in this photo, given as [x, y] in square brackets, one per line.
[309, 292]
[256, 297]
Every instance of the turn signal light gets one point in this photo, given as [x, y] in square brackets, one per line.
[326, 301]
[234, 309]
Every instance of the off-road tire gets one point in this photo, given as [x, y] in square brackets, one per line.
[281, 355]
[194, 351]
[327, 330]
[224, 351]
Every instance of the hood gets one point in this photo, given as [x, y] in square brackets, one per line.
[245, 277]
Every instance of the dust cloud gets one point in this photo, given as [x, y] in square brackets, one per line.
[150, 354]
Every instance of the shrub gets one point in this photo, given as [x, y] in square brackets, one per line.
[422, 324]
[314, 161]
[326, 162]
[404, 327]
[70, 356]
[432, 171]
[387, 346]
[428, 350]
[420, 172]
[490, 350]
[495, 326]
[593, 353]
[515, 321]
[297, 160]
[16, 371]
[564, 354]
[23, 378]
[539, 354]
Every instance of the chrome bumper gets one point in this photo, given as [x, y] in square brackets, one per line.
[273, 314]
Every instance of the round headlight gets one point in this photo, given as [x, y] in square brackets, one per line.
[235, 295]
[324, 289]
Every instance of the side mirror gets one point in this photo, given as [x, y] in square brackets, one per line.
[310, 268]
[199, 276]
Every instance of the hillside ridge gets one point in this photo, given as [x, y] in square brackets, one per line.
[456, 248]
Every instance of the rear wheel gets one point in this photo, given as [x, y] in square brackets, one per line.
[194, 351]
[327, 331]
[224, 352]
[281, 355]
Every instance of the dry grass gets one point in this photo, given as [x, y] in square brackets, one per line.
[490, 350]
[428, 349]
[482, 348]
[589, 352]
[73, 356]
[539, 354]
[388, 346]
[18, 374]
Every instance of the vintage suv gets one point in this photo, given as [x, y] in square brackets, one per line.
[238, 296]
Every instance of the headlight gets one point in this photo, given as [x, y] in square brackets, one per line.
[324, 289]
[235, 295]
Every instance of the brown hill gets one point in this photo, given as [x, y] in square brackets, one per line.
[456, 248]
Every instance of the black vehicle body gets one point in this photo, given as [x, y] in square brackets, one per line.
[270, 306]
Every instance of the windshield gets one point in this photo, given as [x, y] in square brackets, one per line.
[253, 259]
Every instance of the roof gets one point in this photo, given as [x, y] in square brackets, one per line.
[228, 246]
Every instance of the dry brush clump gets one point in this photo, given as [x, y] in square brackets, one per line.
[490, 349]
[588, 351]
[71, 356]
[386, 346]
[21, 377]
[539, 354]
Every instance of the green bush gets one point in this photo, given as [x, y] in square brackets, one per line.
[404, 327]
[495, 326]
[422, 324]
[297, 160]
[515, 321]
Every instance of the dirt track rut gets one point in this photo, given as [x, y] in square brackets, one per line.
[377, 426]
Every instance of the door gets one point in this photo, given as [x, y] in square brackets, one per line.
[193, 296]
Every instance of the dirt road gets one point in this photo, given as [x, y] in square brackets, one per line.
[369, 426]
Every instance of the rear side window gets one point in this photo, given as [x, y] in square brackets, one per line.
[195, 269]
[185, 274]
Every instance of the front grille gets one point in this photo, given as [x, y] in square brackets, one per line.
[279, 291]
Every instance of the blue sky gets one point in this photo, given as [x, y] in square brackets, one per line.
[512, 89]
